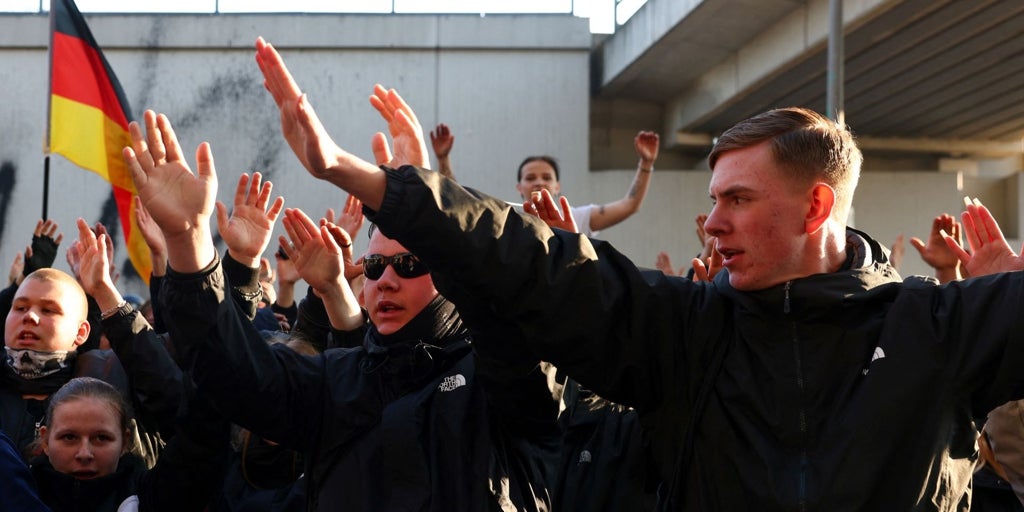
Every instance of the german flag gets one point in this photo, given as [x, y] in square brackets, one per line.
[89, 117]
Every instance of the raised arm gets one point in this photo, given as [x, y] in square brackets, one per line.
[156, 380]
[610, 214]
[179, 201]
[318, 259]
[441, 139]
[990, 253]
[542, 206]
[936, 253]
[309, 139]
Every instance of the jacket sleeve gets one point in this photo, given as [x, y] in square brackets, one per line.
[155, 378]
[192, 466]
[273, 391]
[157, 303]
[245, 285]
[521, 391]
[978, 326]
[17, 486]
[576, 302]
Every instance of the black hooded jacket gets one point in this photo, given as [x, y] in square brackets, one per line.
[851, 390]
[409, 421]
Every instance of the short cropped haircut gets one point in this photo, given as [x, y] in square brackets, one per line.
[805, 144]
[53, 275]
[540, 158]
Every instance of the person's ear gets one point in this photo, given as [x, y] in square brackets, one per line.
[83, 333]
[44, 439]
[519, 188]
[359, 296]
[822, 201]
[556, 189]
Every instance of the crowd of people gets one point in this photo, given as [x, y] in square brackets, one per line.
[484, 357]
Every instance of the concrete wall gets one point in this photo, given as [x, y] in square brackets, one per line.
[507, 85]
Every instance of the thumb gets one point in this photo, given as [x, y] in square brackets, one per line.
[134, 168]
[381, 151]
[204, 162]
[222, 218]
[918, 244]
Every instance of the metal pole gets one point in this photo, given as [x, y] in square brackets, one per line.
[835, 101]
[46, 186]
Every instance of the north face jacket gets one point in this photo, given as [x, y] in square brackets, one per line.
[852, 390]
[421, 424]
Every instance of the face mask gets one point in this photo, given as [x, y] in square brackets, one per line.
[33, 364]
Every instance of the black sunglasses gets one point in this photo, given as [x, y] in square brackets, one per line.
[406, 265]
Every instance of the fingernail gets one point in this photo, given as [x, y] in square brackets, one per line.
[943, 233]
[967, 201]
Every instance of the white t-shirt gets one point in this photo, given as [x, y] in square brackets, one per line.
[581, 214]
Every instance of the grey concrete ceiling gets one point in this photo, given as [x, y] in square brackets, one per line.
[915, 69]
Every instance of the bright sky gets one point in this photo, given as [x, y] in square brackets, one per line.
[602, 13]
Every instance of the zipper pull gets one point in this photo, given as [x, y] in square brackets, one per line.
[785, 303]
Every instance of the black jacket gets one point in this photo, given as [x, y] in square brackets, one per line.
[416, 423]
[851, 390]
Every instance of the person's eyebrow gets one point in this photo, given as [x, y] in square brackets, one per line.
[731, 191]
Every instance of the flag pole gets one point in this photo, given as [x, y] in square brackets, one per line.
[46, 185]
[49, 105]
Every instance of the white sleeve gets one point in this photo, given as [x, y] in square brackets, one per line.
[581, 214]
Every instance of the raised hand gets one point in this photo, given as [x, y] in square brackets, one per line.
[646, 145]
[709, 264]
[701, 234]
[247, 230]
[108, 244]
[309, 139]
[350, 218]
[935, 252]
[542, 205]
[896, 252]
[316, 255]
[408, 145]
[663, 262]
[179, 201]
[300, 125]
[94, 266]
[442, 140]
[286, 273]
[990, 253]
[17, 270]
[45, 241]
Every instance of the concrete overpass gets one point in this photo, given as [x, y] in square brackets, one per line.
[932, 76]
[934, 91]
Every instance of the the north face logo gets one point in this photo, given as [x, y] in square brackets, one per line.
[879, 354]
[451, 382]
[585, 457]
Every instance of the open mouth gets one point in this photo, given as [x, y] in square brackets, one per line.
[387, 307]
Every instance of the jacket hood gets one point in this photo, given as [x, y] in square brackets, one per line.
[866, 273]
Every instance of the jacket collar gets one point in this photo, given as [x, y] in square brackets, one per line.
[866, 273]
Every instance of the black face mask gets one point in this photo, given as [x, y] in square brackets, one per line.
[267, 466]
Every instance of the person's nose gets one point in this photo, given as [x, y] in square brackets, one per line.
[84, 452]
[715, 224]
[31, 317]
[388, 280]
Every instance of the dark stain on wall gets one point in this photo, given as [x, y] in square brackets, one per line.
[226, 92]
[8, 173]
